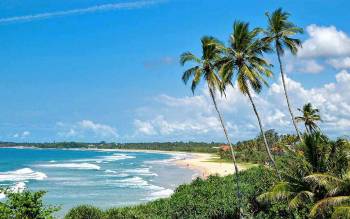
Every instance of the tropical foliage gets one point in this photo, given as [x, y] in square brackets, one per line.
[314, 177]
[25, 205]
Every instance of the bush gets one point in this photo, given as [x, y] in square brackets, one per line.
[25, 205]
[156, 210]
[85, 212]
[216, 197]
[211, 198]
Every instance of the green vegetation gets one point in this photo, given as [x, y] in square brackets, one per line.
[211, 198]
[25, 205]
[315, 177]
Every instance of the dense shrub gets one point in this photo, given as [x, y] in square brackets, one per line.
[85, 212]
[211, 198]
[25, 205]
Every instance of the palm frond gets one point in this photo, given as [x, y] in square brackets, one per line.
[321, 206]
[189, 73]
[341, 212]
[280, 191]
[301, 198]
[188, 56]
[322, 179]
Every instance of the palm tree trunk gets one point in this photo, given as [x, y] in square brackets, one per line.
[261, 130]
[286, 94]
[232, 151]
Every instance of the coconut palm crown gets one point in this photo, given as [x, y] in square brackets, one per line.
[205, 66]
[309, 117]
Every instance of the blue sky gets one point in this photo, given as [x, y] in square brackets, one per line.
[90, 70]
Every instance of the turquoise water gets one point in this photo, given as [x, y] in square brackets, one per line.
[100, 178]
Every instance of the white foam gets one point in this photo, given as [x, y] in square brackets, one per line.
[158, 192]
[164, 193]
[134, 182]
[170, 161]
[79, 166]
[141, 172]
[110, 171]
[19, 187]
[104, 159]
[22, 175]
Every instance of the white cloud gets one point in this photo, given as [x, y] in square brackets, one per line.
[325, 42]
[92, 9]
[193, 117]
[23, 134]
[295, 64]
[339, 63]
[87, 129]
[144, 127]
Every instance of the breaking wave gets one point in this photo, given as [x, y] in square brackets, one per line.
[78, 166]
[22, 175]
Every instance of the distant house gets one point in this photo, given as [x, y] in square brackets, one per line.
[225, 148]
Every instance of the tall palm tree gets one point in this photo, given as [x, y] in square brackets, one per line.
[309, 117]
[278, 33]
[245, 58]
[205, 68]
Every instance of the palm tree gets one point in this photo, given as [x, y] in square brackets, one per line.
[309, 117]
[244, 56]
[205, 68]
[317, 175]
[337, 197]
[279, 32]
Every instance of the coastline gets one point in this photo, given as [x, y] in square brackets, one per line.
[205, 164]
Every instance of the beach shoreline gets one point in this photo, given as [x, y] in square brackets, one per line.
[204, 164]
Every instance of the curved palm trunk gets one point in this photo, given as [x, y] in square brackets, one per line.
[286, 94]
[232, 152]
[261, 130]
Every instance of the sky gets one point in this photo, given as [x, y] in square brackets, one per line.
[108, 70]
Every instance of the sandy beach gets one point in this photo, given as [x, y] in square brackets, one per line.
[207, 165]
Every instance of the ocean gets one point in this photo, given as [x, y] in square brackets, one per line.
[96, 177]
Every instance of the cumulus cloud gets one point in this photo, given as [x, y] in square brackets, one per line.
[325, 42]
[340, 63]
[303, 65]
[193, 117]
[87, 128]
